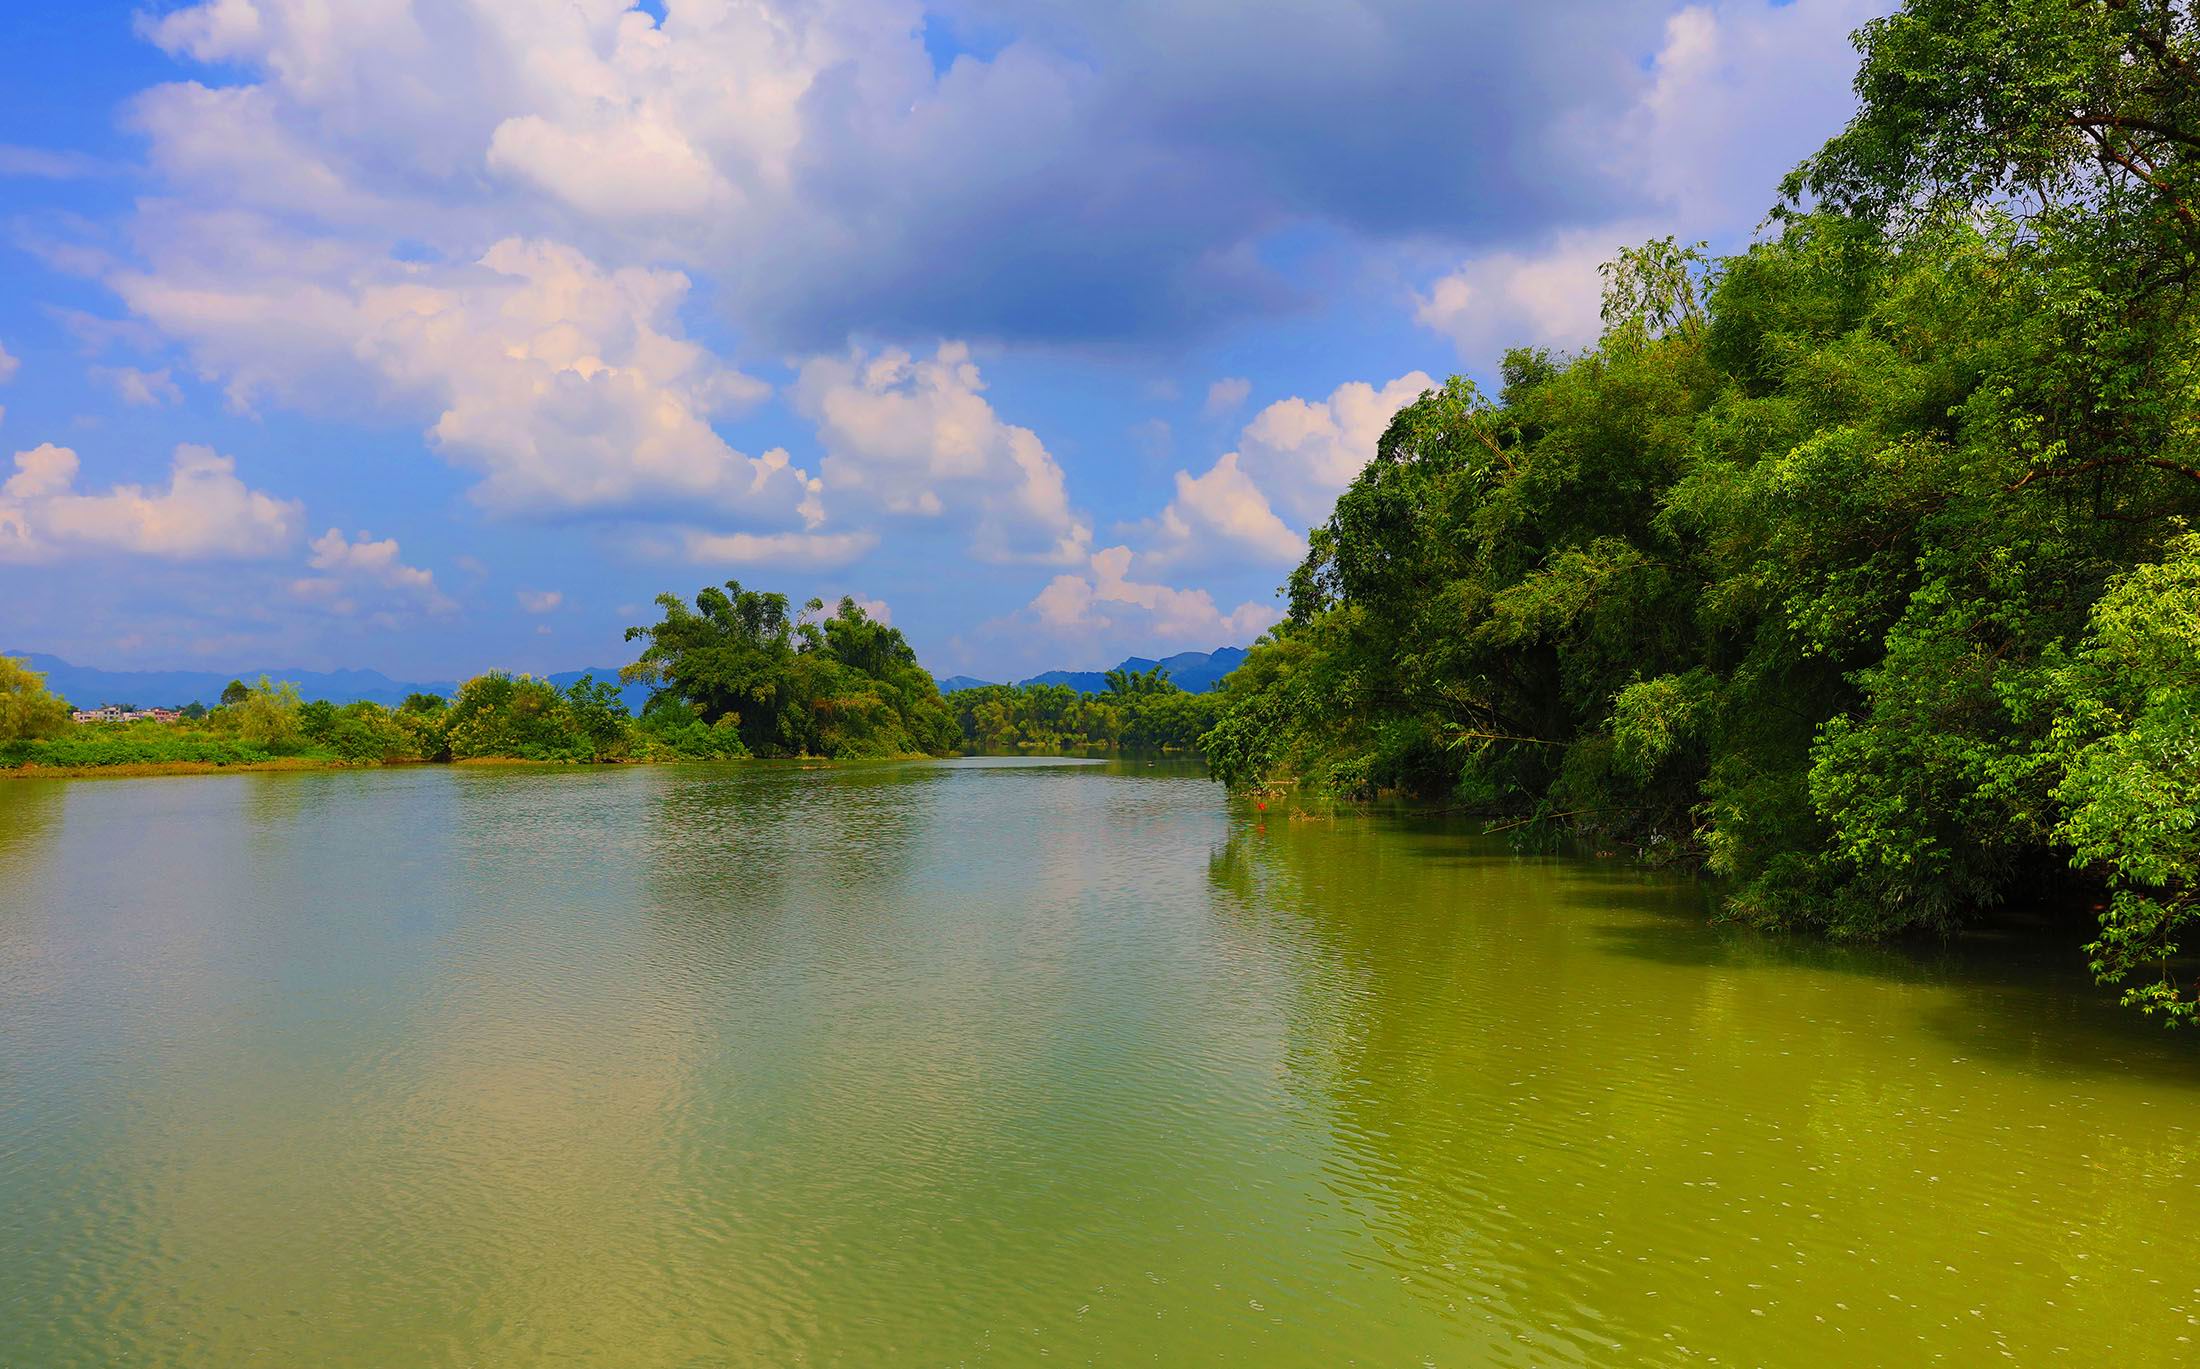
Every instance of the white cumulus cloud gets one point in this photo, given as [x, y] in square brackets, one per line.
[1106, 602]
[919, 438]
[776, 548]
[1223, 511]
[1543, 298]
[350, 567]
[215, 31]
[567, 386]
[205, 512]
[141, 389]
[618, 168]
[1226, 394]
[1737, 93]
[1305, 451]
[1292, 461]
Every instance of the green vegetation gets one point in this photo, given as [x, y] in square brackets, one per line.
[739, 678]
[496, 716]
[106, 745]
[843, 686]
[27, 711]
[1855, 567]
[1139, 711]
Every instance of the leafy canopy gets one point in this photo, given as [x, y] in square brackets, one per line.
[1855, 566]
[838, 685]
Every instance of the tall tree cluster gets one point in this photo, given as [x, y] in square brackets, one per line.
[1857, 567]
[1139, 710]
[844, 685]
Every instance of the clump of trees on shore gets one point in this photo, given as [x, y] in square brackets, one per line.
[1138, 711]
[845, 685]
[1857, 567]
[735, 675]
[493, 716]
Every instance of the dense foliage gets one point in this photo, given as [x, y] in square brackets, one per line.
[104, 745]
[27, 711]
[495, 716]
[735, 676]
[1138, 711]
[842, 686]
[1855, 566]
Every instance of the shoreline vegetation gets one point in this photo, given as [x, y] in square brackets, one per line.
[734, 675]
[1857, 568]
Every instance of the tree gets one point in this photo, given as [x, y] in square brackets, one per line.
[1655, 289]
[361, 732]
[2126, 746]
[1123, 683]
[2078, 121]
[27, 711]
[267, 715]
[1854, 566]
[844, 685]
[597, 717]
[2058, 109]
[234, 693]
[1794, 586]
[501, 715]
[731, 654]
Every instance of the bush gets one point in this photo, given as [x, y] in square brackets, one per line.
[143, 744]
[361, 733]
[26, 709]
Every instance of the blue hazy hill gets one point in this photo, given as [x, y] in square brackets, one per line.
[634, 695]
[1195, 671]
[90, 687]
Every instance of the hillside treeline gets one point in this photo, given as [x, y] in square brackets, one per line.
[1137, 711]
[734, 674]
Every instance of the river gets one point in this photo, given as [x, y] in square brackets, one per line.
[990, 1062]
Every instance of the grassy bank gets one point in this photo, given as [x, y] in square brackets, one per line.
[149, 748]
[141, 769]
[87, 758]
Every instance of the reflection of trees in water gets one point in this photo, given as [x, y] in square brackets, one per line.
[728, 855]
[274, 801]
[1558, 1094]
[1436, 995]
[30, 817]
[370, 818]
[567, 1066]
[835, 939]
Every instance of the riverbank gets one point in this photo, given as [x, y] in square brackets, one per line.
[141, 769]
[147, 769]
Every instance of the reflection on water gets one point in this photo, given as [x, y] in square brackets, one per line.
[1568, 1109]
[978, 1060]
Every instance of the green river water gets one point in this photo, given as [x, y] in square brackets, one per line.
[985, 1062]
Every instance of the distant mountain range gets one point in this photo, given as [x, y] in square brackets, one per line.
[1197, 671]
[89, 687]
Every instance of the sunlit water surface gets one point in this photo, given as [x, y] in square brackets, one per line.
[984, 1062]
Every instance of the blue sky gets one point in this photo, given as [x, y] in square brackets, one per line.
[437, 335]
